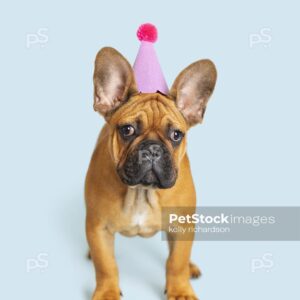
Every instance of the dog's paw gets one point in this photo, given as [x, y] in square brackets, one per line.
[182, 297]
[181, 292]
[107, 295]
[194, 271]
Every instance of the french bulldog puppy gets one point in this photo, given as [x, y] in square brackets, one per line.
[140, 166]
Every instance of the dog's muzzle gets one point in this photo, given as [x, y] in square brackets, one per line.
[150, 164]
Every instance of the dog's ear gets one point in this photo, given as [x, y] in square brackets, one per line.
[192, 89]
[113, 81]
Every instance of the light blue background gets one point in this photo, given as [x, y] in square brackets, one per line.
[245, 153]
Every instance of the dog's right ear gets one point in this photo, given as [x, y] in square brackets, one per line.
[113, 81]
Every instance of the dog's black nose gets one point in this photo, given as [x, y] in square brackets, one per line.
[149, 164]
[150, 150]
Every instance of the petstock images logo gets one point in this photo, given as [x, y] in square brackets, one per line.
[233, 223]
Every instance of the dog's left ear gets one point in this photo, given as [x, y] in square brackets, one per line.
[192, 89]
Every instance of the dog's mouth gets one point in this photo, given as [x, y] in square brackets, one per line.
[150, 164]
[149, 179]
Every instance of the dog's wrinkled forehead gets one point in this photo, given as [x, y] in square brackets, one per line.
[152, 110]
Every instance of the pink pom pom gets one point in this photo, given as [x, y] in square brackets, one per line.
[147, 32]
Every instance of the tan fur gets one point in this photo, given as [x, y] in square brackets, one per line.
[114, 207]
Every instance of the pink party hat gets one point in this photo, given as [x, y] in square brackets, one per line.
[148, 73]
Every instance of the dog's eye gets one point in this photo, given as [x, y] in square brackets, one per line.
[176, 136]
[127, 131]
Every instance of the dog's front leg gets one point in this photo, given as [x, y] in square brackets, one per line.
[178, 270]
[101, 243]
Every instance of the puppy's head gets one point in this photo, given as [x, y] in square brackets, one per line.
[148, 131]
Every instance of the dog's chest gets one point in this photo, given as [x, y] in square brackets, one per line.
[141, 213]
